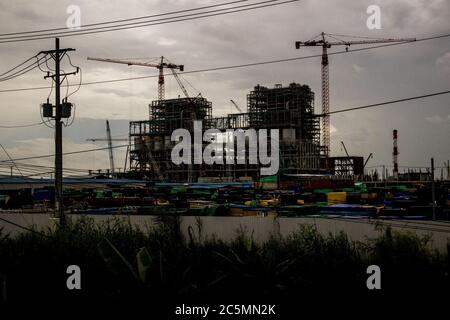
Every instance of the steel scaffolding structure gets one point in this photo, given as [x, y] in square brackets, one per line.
[289, 109]
[150, 140]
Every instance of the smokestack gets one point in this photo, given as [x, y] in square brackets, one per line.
[395, 154]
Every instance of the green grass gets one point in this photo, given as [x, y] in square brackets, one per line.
[120, 261]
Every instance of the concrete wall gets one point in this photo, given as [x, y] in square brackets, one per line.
[226, 228]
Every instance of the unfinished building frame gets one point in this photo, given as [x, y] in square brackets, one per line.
[289, 109]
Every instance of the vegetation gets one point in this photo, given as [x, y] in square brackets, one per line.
[120, 261]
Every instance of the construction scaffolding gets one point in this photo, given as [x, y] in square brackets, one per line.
[150, 140]
[289, 109]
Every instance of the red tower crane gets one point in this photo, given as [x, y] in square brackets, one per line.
[321, 41]
[160, 66]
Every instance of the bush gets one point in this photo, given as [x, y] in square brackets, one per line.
[119, 261]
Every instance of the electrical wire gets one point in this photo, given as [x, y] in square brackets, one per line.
[129, 19]
[19, 65]
[66, 153]
[67, 124]
[24, 70]
[25, 179]
[337, 111]
[24, 228]
[385, 103]
[46, 71]
[238, 65]
[187, 17]
[81, 77]
[31, 165]
[48, 67]
[11, 160]
[22, 126]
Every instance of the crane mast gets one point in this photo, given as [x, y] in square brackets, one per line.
[161, 85]
[325, 44]
[325, 98]
[110, 148]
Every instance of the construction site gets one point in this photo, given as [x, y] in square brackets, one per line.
[304, 135]
[225, 159]
[308, 180]
[289, 109]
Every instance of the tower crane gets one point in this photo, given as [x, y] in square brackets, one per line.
[325, 44]
[109, 139]
[160, 66]
[110, 148]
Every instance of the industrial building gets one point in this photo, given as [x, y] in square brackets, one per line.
[289, 109]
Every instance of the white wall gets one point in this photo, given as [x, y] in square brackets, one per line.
[226, 228]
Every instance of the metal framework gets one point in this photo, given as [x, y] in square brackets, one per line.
[163, 64]
[289, 109]
[325, 44]
[150, 140]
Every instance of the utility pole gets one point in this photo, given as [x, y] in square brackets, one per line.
[58, 55]
[448, 169]
[433, 190]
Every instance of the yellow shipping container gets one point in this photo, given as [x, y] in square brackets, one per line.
[336, 197]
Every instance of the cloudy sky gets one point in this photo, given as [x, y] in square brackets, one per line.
[356, 78]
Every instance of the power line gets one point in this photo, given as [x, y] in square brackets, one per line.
[22, 126]
[333, 112]
[124, 20]
[26, 69]
[24, 228]
[386, 103]
[65, 153]
[234, 66]
[4, 73]
[259, 5]
[38, 168]
[31, 165]
[11, 160]
[319, 115]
